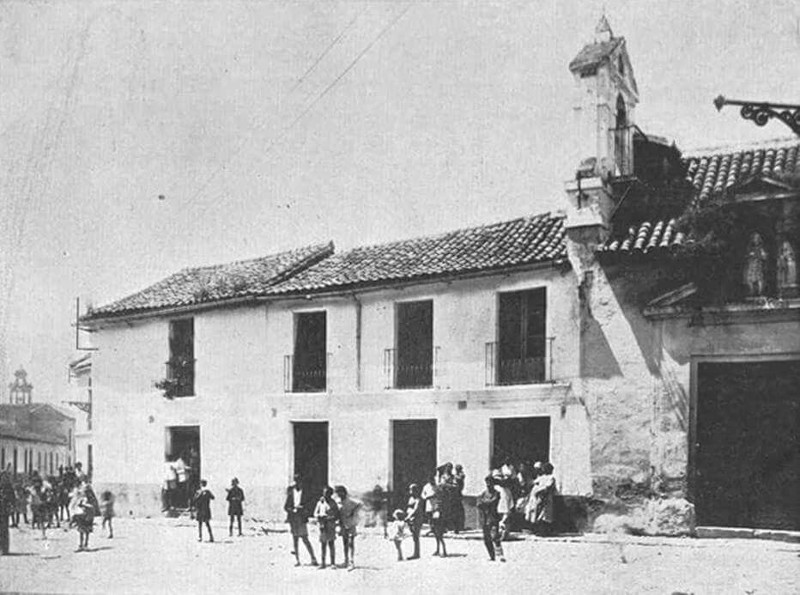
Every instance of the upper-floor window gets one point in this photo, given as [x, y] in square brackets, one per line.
[180, 367]
[413, 345]
[522, 337]
[309, 361]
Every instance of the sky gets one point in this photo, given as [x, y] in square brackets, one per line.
[267, 126]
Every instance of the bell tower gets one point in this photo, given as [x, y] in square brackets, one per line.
[604, 101]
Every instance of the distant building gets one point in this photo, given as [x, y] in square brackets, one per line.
[35, 437]
[80, 398]
[20, 391]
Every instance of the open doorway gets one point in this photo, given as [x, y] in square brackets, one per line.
[413, 455]
[311, 455]
[520, 440]
[747, 444]
[182, 450]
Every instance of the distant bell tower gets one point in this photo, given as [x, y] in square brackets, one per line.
[20, 391]
[604, 101]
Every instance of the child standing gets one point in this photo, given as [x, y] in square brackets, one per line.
[202, 503]
[490, 520]
[348, 521]
[438, 525]
[415, 513]
[397, 532]
[82, 515]
[235, 498]
[327, 513]
[107, 510]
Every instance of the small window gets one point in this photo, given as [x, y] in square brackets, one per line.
[414, 345]
[310, 358]
[522, 337]
[180, 367]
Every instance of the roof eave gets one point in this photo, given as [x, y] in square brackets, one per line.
[338, 291]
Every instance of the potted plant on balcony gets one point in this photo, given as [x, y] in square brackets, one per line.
[179, 380]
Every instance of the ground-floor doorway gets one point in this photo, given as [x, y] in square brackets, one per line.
[182, 453]
[413, 455]
[311, 455]
[747, 444]
[520, 440]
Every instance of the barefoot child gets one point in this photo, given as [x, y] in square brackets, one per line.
[397, 532]
[415, 515]
[438, 524]
[327, 513]
[348, 521]
[107, 510]
[235, 498]
[202, 503]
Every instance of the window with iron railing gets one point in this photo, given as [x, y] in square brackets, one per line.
[521, 353]
[410, 364]
[409, 375]
[306, 370]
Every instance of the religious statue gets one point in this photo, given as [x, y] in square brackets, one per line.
[755, 267]
[787, 270]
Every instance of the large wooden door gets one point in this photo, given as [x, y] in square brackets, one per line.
[414, 455]
[747, 446]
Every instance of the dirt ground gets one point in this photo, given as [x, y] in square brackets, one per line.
[163, 555]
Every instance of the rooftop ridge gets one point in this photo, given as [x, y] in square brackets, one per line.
[730, 148]
[444, 234]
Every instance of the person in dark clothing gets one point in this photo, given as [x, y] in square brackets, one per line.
[298, 509]
[202, 504]
[489, 520]
[458, 504]
[7, 508]
[235, 498]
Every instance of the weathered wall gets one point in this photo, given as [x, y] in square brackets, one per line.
[246, 418]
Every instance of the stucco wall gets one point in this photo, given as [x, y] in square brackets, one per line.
[636, 379]
[246, 419]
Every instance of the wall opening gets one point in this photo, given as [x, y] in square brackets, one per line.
[520, 440]
[311, 455]
[183, 442]
[747, 444]
[413, 455]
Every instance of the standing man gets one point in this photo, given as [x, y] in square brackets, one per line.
[297, 507]
[7, 507]
[182, 474]
[490, 520]
[170, 483]
[348, 523]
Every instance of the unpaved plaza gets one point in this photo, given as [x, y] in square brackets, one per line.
[163, 555]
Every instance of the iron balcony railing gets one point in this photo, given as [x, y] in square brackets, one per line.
[306, 374]
[180, 371]
[504, 371]
[407, 371]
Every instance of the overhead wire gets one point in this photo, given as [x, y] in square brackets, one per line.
[241, 144]
[328, 88]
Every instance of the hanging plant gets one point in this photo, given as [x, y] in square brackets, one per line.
[181, 374]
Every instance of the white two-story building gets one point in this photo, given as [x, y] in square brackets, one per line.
[366, 368]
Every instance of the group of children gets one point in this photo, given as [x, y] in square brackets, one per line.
[201, 502]
[339, 514]
[68, 497]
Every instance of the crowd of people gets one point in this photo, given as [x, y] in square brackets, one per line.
[45, 502]
[515, 498]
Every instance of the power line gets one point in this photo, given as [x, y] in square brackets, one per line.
[323, 93]
[300, 81]
[325, 53]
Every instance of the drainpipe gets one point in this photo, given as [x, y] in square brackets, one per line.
[358, 342]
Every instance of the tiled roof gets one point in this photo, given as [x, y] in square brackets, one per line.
[244, 278]
[715, 172]
[709, 173]
[527, 240]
